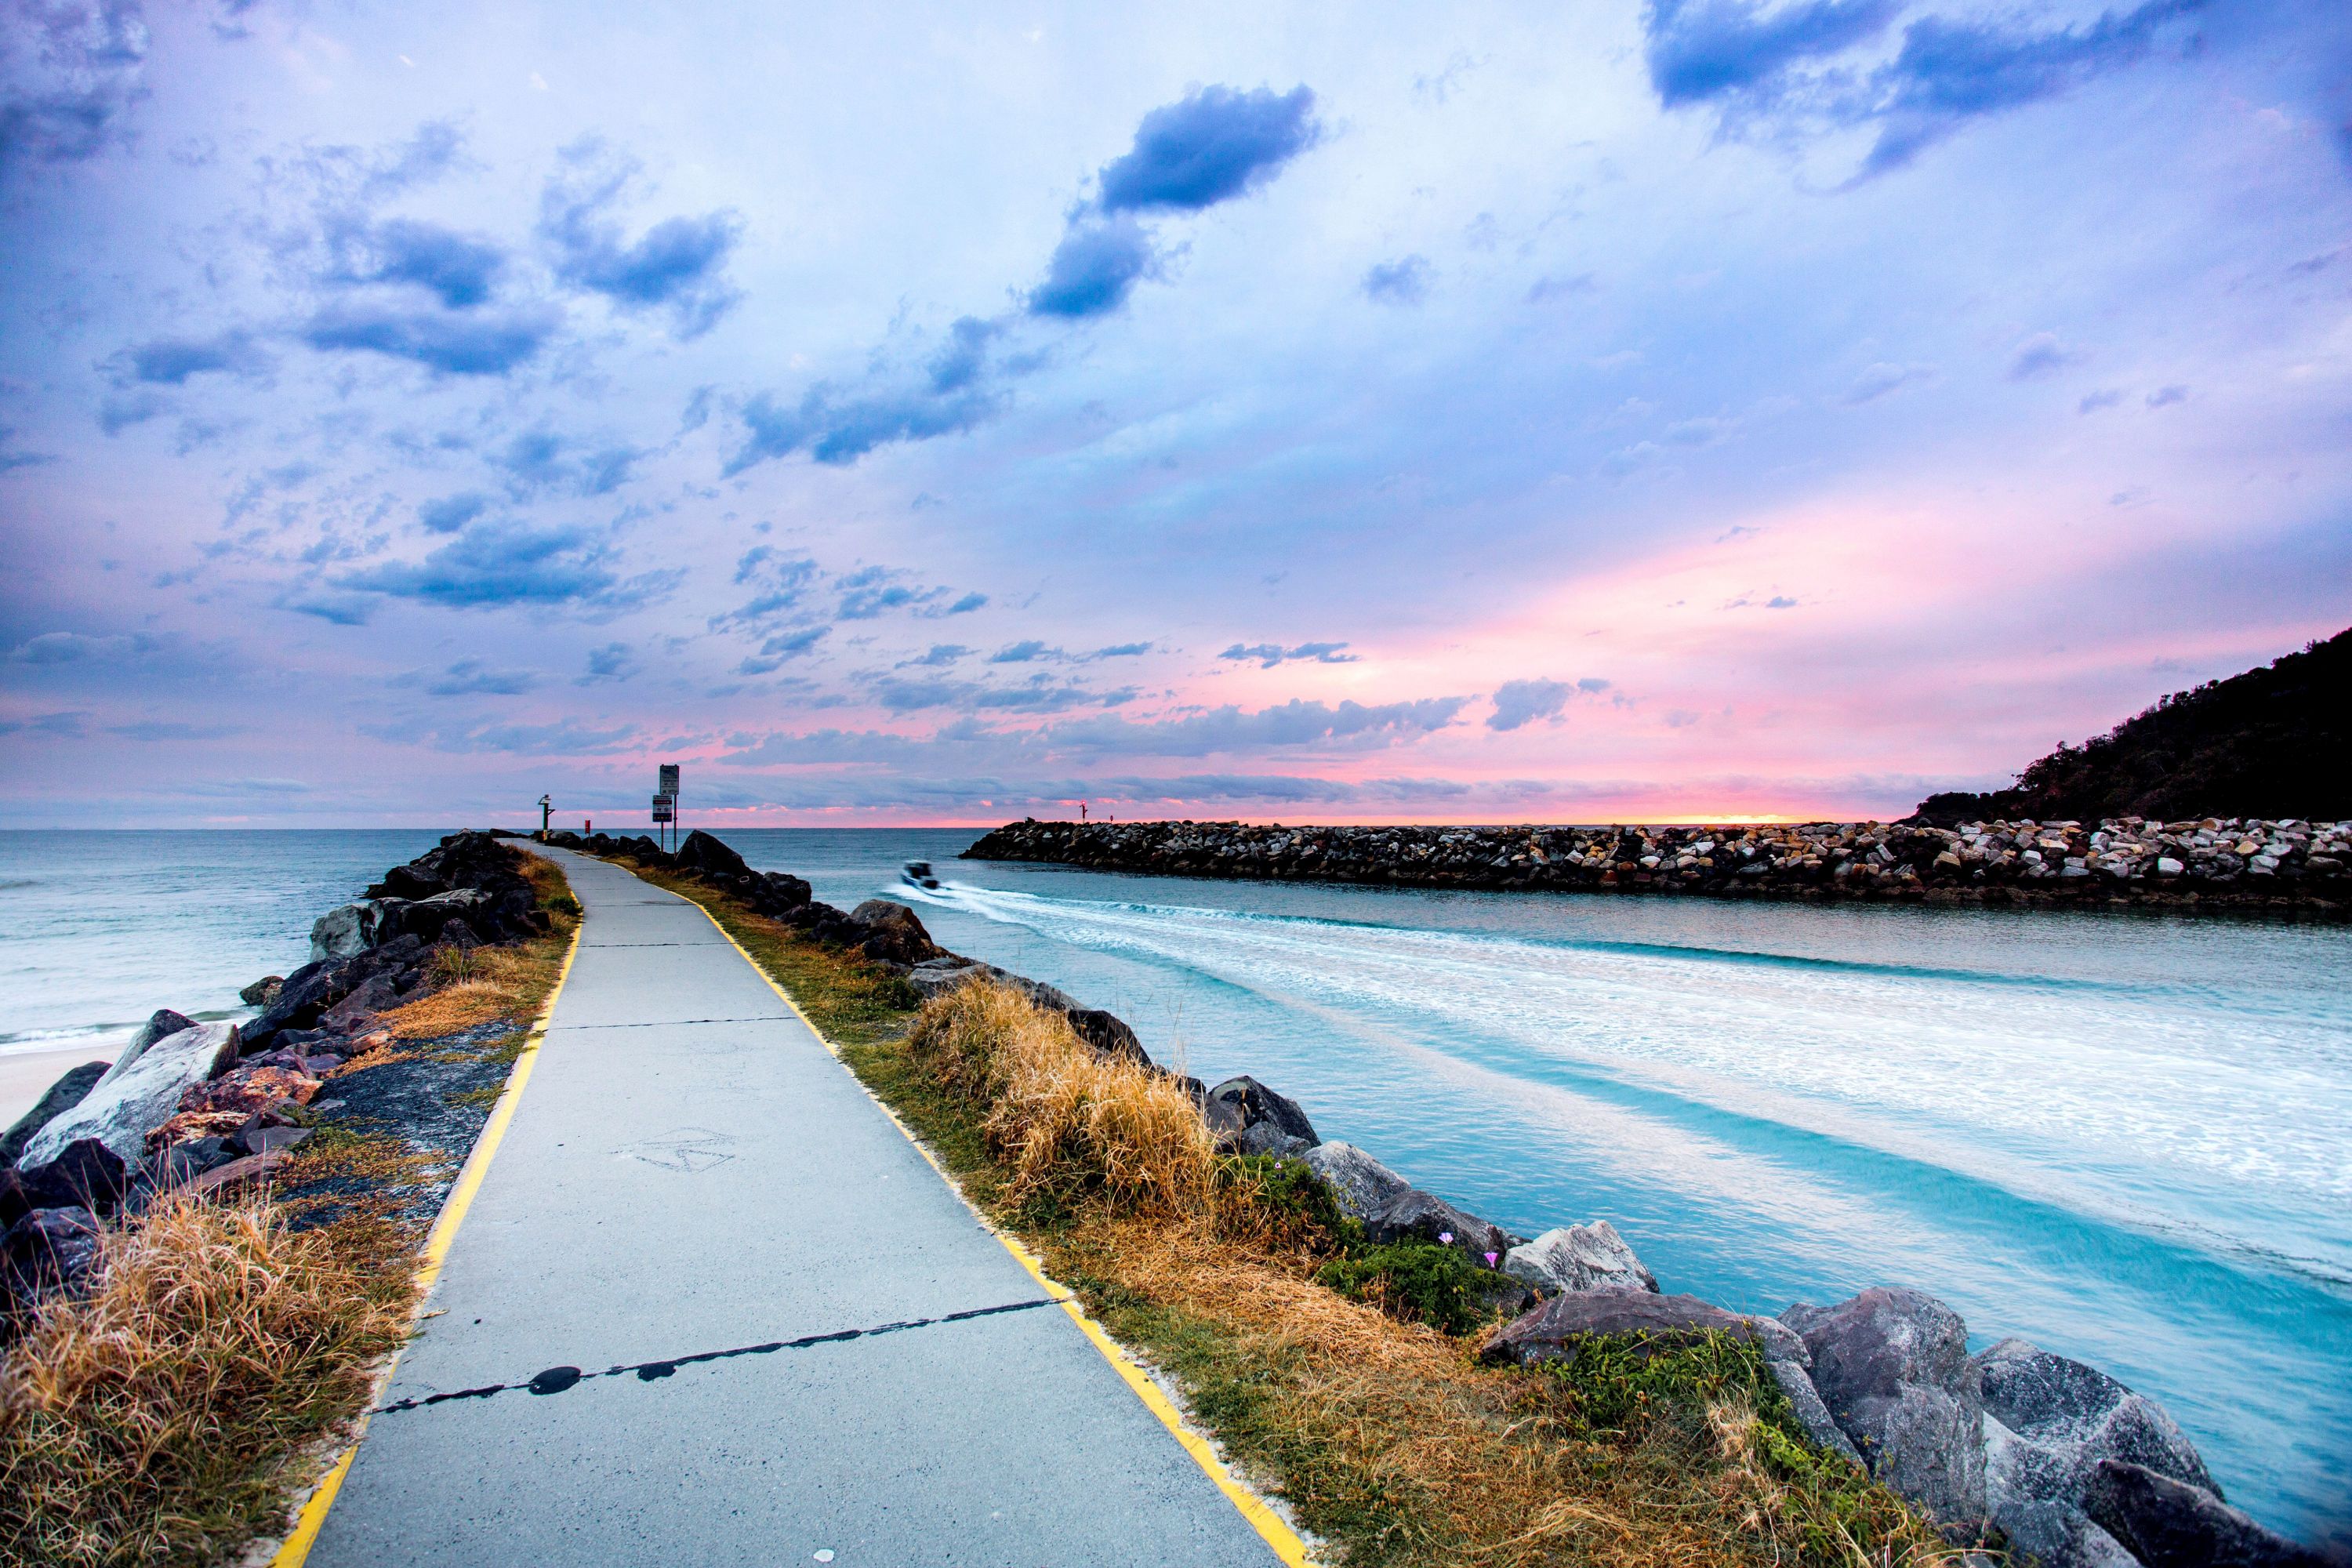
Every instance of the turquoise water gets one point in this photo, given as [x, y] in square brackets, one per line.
[2127, 1139]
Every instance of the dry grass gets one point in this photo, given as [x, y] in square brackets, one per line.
[155, 1421]
[1385, 1438]
[487, 984]
[171, 1415]
[1060, 1118]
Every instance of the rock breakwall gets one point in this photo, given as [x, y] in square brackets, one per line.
[2253, 866]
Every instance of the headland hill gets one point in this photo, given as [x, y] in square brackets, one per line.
[2230, 797]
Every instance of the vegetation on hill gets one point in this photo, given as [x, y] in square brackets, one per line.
[2272, 743]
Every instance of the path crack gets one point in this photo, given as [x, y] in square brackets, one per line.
[557, 1379]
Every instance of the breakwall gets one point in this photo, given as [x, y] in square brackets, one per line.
[2244, 865]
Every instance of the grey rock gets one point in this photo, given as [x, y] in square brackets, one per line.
[2081, 1416]
[375, 994]
[345, 931]
[60, 1097]
[122, 1111]
[1416, 1214]
[1892, 1367]
[1555, 1330]
[160, 1023]
[1249, 1117]
[47, 1253]
[1812, 1414]
[1579, 1257]
[2171, 1524]
[85, 1175]
[2031, 1502]
[262, 992]
[1360, 1184]
[938, 976]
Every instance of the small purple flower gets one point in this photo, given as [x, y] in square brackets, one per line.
[1446, 1236]
[1490, 1260]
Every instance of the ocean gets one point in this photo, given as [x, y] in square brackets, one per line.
[2127, 1139]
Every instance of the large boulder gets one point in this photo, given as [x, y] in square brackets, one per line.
[1892, 1367]
[122, 1110]
[1805, 1402]
[778, 891]
[424, 919]
[160, 1023]
[705, 854]
[262, 992]
[346, 930]
[1579, 1257]
[893, 933]
[1416, 1215]
[2168, 1523]
[1247, 1118]
[2036, 1505]
[411, 881]
[1557, 1330]
[47, 1253]
[85, 1175]
[2081, 1416]
[60, 1098]
[1360, 1184]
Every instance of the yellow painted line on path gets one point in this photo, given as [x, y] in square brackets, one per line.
[297, 1549]
[1286, 1543]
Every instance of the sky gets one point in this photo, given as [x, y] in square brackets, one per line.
[1600, 411]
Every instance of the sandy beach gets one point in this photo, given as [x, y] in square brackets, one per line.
[24, 1078]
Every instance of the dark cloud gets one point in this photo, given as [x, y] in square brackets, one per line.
[2094, 401]
[1701, 51]
[541, 460]
[172, 730]
[1878, 380]
[445, 343]
[780, 583]
[10, 460]
[1122, 650]
[839, 431]
[1093, 271]
[77, 648]
[514, 564]
[1228, 729]
[451, 514]
[966, 605]
[614, 661]
[69, 722]
[1544, 289]
[783, 647]
[1025, 653]
[940, 654]
[471, 676]
[963, 357]
[1041, 693]
[676, 265]
[1210, 146]
[169, 362]
[1792, 65]
[1949, 72]
[2040, 355]
[462, 270]
[69, 72]
[1404, 281]
[564, 738]
[1214, 144]
[1522, 703]
[1268, 653]
[2164, 396]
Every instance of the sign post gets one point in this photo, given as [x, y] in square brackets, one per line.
[546, 810]
[666, 800]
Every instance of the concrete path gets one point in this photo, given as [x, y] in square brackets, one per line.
[690, 1174]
